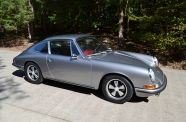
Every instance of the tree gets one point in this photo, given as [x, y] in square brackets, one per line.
[157, 24]
[15, 15]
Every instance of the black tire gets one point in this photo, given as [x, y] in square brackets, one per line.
[37, 80]
[123, 86]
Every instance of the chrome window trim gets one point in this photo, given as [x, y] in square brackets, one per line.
[71, 41]
[79, 49]
[49, 51]
[59, 40]
[71, 48]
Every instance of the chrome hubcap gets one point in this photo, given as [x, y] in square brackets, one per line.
[116, 89]
[32, 72]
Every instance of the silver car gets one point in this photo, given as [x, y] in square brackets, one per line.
[82, 60]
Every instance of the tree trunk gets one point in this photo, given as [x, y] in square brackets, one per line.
[126, 18]
[121, 29]
[120, 32]
[29, 26]
[29, 32]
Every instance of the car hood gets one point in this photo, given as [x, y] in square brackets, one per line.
[128, 58]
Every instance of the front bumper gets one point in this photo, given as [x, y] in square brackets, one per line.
[140, 92]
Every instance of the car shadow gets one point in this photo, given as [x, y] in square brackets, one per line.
[19, 73]
[68, 87]
[136, 99]
[78, 89]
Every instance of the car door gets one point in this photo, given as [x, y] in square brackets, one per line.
[66, 68]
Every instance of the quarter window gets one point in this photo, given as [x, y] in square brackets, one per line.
[60, 47]
[43, 47]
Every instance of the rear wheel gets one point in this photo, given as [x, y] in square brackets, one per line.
[33, 73]
[117, 89]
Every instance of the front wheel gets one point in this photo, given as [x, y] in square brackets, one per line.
[33, 73]
[117, 89]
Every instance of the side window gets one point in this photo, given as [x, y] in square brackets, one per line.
[60, 47]
[74, 49]
[43, 47]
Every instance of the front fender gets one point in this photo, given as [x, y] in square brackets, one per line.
[137, 75]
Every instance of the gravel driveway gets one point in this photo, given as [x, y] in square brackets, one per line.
[51, 101]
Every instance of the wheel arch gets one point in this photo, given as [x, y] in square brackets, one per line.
[31, 62]
[119, 74]
[34, 63]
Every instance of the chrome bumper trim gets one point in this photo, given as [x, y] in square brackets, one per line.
[18, 66]
[149, 92]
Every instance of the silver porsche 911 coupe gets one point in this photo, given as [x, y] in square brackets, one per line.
[82, 60]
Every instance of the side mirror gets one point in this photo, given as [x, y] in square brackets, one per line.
[74, 57]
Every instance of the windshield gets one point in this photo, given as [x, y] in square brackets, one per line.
[91, 46]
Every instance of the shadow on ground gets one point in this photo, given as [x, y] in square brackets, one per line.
[9, 88]
[78, 89]
[1, 66]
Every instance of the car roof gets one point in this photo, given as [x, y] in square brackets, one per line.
[68, 36]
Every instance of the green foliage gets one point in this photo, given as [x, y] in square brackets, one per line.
[157, 24]
[52, 18]
[161, 25]
[15, 14]
[75, 16]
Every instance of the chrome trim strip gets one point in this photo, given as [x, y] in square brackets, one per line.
[49, 51]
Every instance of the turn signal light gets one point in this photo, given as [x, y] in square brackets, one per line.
[150, 86]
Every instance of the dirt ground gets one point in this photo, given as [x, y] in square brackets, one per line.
[17, 48]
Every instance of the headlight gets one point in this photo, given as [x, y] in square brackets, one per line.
[151, 75]
[155, 60]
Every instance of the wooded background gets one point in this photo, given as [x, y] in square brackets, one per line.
[157, 27]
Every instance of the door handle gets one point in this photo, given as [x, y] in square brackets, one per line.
[49, 60]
